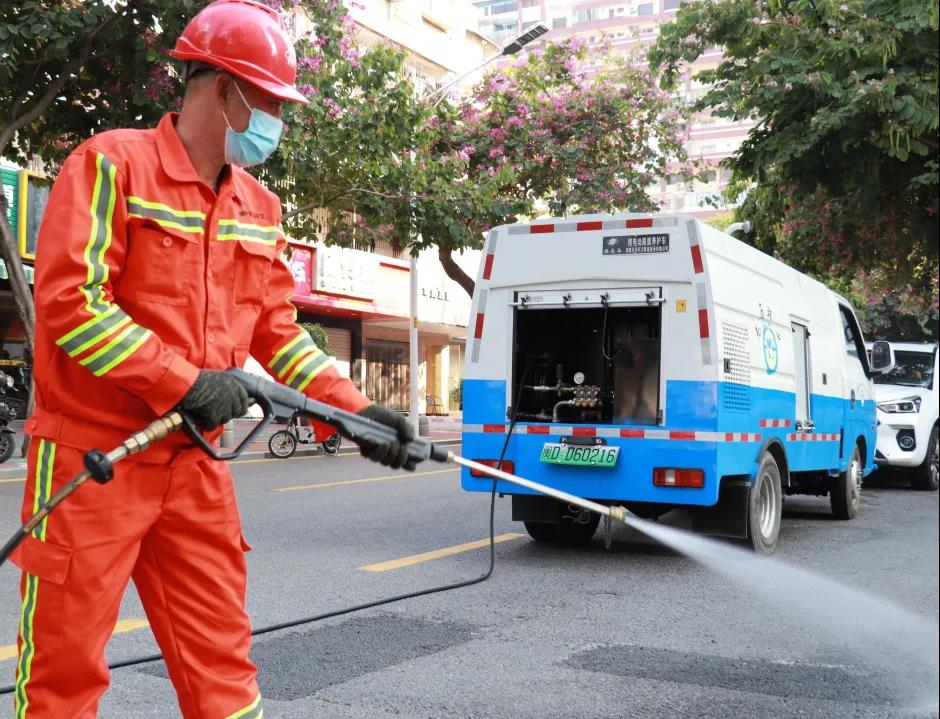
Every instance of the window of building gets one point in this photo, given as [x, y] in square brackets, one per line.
[497, 7]
[644, 8]
[527, 25]
[559, 22]
[671, 4]
[530, 3]
[504, 28]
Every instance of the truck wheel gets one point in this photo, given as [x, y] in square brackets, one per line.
[765, 507]
[542, 531]
[575, 526]
[282, 444]
[845, 492]
[925, 476]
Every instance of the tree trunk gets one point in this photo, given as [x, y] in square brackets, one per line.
[454, 271]
[22, 296]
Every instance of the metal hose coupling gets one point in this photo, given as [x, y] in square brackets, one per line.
[100, 465]
[618, 513]
[157, 430]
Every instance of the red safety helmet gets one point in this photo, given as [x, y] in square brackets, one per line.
[246, 39]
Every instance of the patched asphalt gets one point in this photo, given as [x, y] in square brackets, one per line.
[634, 631]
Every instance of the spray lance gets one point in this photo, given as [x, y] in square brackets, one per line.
[278, 400]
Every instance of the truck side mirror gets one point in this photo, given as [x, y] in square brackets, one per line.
[882, 357]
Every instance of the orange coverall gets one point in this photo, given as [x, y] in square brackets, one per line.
[145, 274]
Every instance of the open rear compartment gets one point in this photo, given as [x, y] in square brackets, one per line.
[587, 365]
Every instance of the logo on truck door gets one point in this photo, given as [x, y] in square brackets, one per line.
[769, 339]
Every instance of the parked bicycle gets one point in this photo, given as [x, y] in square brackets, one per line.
[283, 443]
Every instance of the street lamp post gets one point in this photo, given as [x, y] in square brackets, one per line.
[511, 49]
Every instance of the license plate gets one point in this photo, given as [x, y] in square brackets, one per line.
[579, 455]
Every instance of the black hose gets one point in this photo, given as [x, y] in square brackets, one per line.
[378, 602]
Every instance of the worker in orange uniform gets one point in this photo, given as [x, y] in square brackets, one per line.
[159, 267]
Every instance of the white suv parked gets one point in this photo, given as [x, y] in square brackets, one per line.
[907, 414]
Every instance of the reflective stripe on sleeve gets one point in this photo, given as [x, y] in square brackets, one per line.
[107, 319]
[117, 350]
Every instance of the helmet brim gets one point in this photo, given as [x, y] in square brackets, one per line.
[288, 93]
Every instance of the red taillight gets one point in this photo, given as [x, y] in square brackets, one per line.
[674, 477]
[507, 466]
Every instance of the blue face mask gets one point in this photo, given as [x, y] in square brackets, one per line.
[257, 142]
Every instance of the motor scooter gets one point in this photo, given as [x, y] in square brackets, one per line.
[283, 443]
[7, 415]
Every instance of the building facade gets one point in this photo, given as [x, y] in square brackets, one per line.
[630, 27]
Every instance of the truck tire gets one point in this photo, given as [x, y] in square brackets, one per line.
[575, 526]
[542, 531]
[925, 477]
[765, 507]
[845, 492]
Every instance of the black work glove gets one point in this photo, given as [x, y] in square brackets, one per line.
[214, 399]
[392, 454]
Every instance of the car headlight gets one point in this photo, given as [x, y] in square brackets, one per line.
[905, 405]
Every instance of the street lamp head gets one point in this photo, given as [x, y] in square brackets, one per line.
[524, 39]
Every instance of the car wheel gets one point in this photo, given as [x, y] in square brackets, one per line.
[845, 492]
[282, 444]
[925, 476]
[765, 507]
[7, 445]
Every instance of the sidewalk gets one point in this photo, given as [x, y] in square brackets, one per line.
[443, 429]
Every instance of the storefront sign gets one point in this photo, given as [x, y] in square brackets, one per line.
[346, 272]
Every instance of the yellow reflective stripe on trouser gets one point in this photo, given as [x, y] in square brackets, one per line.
[252, 711]
[106, 317]
[45, 457]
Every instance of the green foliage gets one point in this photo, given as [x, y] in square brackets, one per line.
[318, 335]
[543, 135]
[345, 150]
[98, 65]
[840, 171]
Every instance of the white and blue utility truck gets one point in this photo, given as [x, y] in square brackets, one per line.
[657, 363]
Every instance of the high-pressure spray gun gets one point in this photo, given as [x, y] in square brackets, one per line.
[278, 400]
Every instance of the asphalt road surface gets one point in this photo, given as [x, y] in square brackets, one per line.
[634, 631]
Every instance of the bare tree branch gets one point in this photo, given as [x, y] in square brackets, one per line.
[454, 271]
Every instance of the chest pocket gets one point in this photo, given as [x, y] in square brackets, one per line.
[253, 262]
[162, 264]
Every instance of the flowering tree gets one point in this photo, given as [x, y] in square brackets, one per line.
[841, 170]
[541, 136]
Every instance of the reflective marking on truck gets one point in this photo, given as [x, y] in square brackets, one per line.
[619, 432]
[775, 423]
